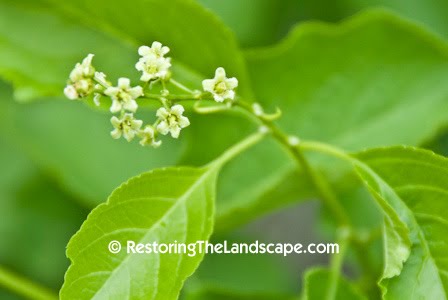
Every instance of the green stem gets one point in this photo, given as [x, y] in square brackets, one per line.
[321, 184]
[326, 149]
[233, 151]
[174, 98]
[336, 264]
[24, 287]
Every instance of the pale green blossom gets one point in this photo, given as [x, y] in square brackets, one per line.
[220, 87]
[153, 64]
[80, 82]
[153, 67]
[156, 49]
[148, 137]
[123, 96]
[172, 120]
[127, 126]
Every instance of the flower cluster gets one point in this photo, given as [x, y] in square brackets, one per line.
[154, 66]
[80, 82]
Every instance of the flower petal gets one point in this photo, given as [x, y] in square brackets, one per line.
[136, 92]
[144, 50]
[111, 91]
[162, 113]
[131, 105]
[129, 134]
[115, 122]
[232, 83]
[123, 83]
[116, 106]
[229, 95]
[70, 92]
[177, 109]
[220, 73]
[136, 124]
[183, 122]
[156, 45]
[163, 127]
[175, 131]
[218, 98]
[116, 133]
[209, 85]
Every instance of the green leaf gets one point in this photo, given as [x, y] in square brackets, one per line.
[164, 205]
[67, 31]
[337, 81]
[316, 283]
[429, 12]
[264, 25]
[414, 183]
[397, 245]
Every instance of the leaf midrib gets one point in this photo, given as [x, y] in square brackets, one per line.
[182, 199]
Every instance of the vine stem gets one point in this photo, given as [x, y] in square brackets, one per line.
[24, 287]
[322, 186]
[336, 263]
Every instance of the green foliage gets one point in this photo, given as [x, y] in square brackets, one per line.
[373, 80]
[345, 87]
[353, 85]
[414, 183]
[164, 205]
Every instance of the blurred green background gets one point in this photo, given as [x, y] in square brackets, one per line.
[38, 213]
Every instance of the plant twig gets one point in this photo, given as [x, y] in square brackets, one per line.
[321, 184]
[336, 263]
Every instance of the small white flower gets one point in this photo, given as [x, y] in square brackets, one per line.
[123, 96]
[80, 82]
[172, 120]
[83, 69]
[153, 67]
[70, 92]
[156, 49]
[148, 135]
[153, 63]
[127, 126]
[221, 87]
